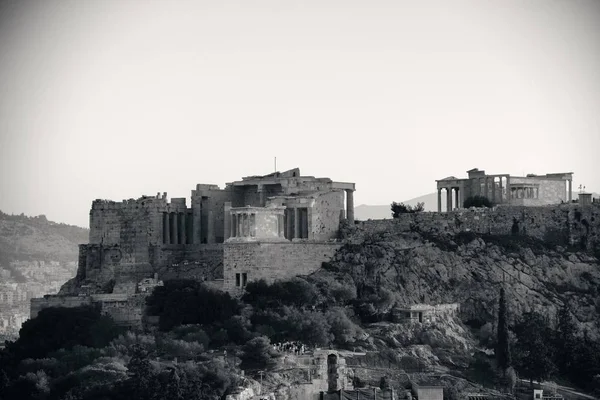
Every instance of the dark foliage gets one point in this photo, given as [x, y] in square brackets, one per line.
[62, 328]
[503, 355]
[477, 201]
[401, 208]
[295, 292]
[534, 350]
[182, 302]
[257, 354]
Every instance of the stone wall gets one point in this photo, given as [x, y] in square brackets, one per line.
[38, 304]
[271, 261]
[551, 191]
[565, 224]
[101, 264]
[124, 309]
[199, 262]
[326, 215]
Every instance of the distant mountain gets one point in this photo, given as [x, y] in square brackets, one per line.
[364, 212]
[24, 238]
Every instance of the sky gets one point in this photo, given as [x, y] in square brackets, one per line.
[115, 99]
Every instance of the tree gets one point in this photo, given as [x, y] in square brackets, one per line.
[4, 384]
[383, 383]
[183, 302]
[401, 208]
[58, 327]
[503, 355]
[477, 201]
[257, 354]
[141, 373]
[174, 387]
[565, 340]
[535, 358]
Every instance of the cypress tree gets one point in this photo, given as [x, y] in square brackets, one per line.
[503, 356]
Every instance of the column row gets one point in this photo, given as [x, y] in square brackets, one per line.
[452, 201]
[177, 227]
[243, 224]
[296, 223]
[493, 188]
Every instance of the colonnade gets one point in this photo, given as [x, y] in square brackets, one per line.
[176, 226]
[243, 224]
[454, 198]
[296, 224]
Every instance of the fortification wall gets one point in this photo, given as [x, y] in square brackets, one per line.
[199, 262]
[123, 222]
[565, 224]
[124, 309]
[326, 215]
[271, 261]
[101, 264]
[38, 304]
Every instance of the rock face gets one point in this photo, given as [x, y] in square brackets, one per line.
[469, 268]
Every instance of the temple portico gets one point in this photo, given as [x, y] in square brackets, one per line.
[257, 223]
[506, 189]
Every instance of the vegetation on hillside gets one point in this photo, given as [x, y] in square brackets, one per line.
[477, 201]
[79, 354]
[401, 208]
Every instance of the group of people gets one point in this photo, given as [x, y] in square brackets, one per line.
[296, 348]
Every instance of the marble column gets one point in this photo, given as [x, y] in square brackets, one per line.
[240, 224]
[166, 229]
[501, 190]
[439, 200]
[570, 189]
[197, 224]
[456, 198]
[289, 223]
[296, 223]
[210, 234]
[227, 220]
[448, 199]
[350, 205]
[232, 223]
[175, 237]
[183, 227]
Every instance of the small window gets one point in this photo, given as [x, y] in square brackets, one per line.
[244, 279]
[237, 279]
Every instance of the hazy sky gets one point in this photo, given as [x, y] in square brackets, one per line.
[115, 99]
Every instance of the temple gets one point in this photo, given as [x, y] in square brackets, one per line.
[216, 237]
[503, 189]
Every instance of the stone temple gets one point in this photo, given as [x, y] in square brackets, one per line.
[272, 226]
[504, 189]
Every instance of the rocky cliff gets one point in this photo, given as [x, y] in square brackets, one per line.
[418, 266]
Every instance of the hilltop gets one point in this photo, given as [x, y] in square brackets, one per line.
[364, 212]
[24, 238]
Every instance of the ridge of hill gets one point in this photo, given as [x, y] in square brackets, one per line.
[24, 238]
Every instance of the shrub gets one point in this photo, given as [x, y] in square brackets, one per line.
[477, 201]
[258, 354]
[57, 327]
[182, 302]
[401, 208]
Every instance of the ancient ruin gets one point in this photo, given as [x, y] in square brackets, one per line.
[503, 189]
[268, 227]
